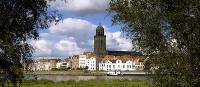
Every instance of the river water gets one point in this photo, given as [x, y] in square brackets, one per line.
[78, 78]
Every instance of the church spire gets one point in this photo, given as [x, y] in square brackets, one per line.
[100, 31]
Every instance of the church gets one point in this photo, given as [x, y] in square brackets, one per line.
[103, 55]
[100, 46]
[106, 60]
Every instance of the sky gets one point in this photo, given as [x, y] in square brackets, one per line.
[74, 34]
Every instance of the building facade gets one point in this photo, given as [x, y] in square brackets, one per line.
[74, 61]
[62, 65]
[120, 63]
[82, 61]
[87, 60]
[91, 63]
[113, 65]
[138, 64]
[45, 63]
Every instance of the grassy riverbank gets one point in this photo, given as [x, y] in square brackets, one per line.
[88, 83]
[69, 73]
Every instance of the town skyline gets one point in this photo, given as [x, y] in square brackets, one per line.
[100, 59]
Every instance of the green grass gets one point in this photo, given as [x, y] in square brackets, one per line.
[88, 83]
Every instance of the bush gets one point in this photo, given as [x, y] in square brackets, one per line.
[54, 69]
[60, 69]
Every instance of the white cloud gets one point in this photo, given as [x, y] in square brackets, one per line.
[73, 27]
[68, 47]
[115, 41]
[62, 47]
[81, 7]
[42, 47]
[74, 36]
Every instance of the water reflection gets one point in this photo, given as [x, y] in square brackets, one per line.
[78, 78]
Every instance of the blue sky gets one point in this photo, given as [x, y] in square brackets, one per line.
[74, 33]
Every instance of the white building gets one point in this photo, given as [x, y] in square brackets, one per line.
[82, 61]
[91, 63]
[112, 65]
[41, 66]
[120, 63]
[88, 61]
[62, 64]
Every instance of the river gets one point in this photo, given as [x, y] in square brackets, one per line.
[78, 78]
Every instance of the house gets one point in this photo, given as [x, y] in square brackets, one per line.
[138, 64]
[112, 63]
[45, 63]
[87, 59]
[91, 63]
[120, 63]
[82, 61]
[62, 64]
[74, 61]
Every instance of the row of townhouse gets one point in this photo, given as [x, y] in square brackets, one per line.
[122, 63]
[89, 60]
[47, 63]
[111, 63]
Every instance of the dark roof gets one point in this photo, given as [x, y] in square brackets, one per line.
[100, 28]
[121, 53]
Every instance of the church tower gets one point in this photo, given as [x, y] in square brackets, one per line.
[100, 42]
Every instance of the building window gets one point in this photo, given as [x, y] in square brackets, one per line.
[123, 66]
[109, 66]
[113, 66]
[118, 66]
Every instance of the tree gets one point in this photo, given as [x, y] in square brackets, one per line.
[168, 32]
[86, 68]
[20, 21]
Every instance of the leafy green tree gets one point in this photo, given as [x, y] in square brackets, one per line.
[168, 32]
[20, 21]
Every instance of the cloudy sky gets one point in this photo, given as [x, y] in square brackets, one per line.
[74, 33]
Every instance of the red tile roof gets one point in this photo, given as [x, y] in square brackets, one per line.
[125, 57]
[89, 54]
